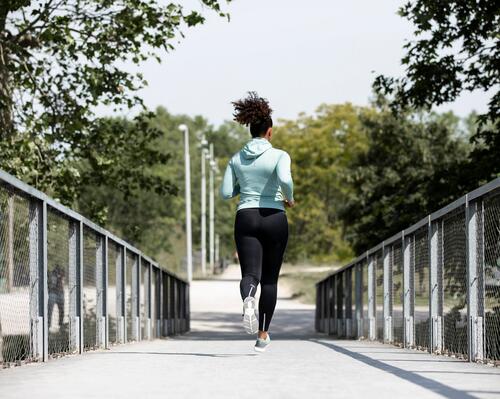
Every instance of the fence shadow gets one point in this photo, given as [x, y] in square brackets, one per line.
[287, 324]
[410, 376]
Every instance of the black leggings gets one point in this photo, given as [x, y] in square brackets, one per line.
[261, 235]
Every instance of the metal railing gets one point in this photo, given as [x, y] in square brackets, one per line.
[434, 286]
[68, 285]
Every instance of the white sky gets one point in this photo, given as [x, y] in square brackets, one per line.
[296, 53]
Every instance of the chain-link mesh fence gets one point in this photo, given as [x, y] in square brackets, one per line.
[491, 279]
[347, 302]
[365, 300]
[173, 306]
[155, 301]
[63, 290]
[166, 307]
[397, 294]
[89, 289]
[340, 304]
[352, 299]
[378, 265]
[114, 290]
[144, 299]
[15, 279]
[439, 283]
[331, 315]
[454, 284]
[420, 255]
[130, 296]
[59, 274]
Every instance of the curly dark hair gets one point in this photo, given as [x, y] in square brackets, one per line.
[254, 111]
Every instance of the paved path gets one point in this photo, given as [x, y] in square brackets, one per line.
[216, 360]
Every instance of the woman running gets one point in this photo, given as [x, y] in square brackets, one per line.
[261, 175]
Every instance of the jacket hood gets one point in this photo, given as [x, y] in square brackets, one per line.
[255, 147]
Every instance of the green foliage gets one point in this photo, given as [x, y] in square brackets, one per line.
[321, 147]
[154, 219]
[456, 50]
[410, 169]
[58, 61]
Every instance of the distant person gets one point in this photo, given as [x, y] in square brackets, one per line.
[56, 292]
[261, 175]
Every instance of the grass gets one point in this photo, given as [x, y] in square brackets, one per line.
[301, 281]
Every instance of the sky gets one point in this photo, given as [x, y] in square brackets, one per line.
[297, 54]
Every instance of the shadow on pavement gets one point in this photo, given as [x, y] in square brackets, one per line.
[411, 376]
[287, 324]
[180, 354]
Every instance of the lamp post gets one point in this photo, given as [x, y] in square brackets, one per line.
[212, 209]
[204, 155]
[189, 238]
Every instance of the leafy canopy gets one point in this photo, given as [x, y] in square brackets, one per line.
[456, 50]
[59, 60]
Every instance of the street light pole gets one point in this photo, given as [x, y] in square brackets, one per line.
[212, 208]
[189, 238]
[203, 207]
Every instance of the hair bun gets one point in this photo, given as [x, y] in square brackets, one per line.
[252, 109]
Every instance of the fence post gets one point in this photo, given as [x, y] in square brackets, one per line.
[371, 299]
[79, 290]
[167, 300]
[409, 338]
[188, 308]
[387, 311]
[359, 299]
[149, 310]
[106, 290]
[101, 267]
[120, 296]
[338, 289]
[173, 312]
[136, 298]
[327, 305]
[161, 298]
[473, 250]
[348, 302]
[333, 283]
[74, 314]
[436, 329]
[36, 239]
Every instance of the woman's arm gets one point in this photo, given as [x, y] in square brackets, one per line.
[230, 187]
[283, 170]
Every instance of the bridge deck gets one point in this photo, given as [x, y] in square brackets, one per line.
[217, 360]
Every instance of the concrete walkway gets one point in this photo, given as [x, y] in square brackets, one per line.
[216, 360]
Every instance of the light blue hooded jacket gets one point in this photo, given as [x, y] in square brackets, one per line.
[260, 174]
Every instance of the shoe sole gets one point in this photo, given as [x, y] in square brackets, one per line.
[250, 322]
[257, 349]
[261, 349]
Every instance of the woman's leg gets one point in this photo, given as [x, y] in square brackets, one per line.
[249, 250]
[275, 238]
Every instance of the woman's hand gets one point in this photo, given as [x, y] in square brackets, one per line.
[289, 204]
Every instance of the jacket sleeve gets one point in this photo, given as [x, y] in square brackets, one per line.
[283, 170]
[230, 187]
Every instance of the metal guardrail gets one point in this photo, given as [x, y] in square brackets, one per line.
[68, 285]
[434, 286]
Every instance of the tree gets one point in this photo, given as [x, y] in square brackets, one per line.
[457, 49]
[152, 216]
[407, 172]
[59, 59]
[322, 147]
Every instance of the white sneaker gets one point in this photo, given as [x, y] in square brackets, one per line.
[250, 321]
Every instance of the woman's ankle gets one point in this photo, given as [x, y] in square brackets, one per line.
[262, 334]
